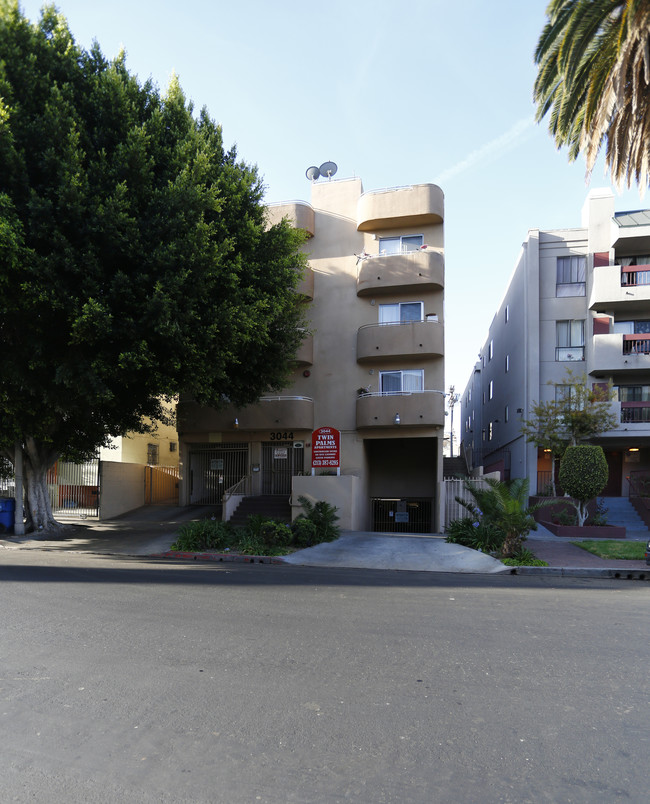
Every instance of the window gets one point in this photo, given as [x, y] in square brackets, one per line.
[564, 393]
[490, 431]
[490, 351]
[398, 382]
[507, 363]
[491, 389]
[507, 313]
[152, 454]
[172, 446]
[632, 327]
[634, 393]
[632, 277]
[570, 340]
[570, 276]
[401, 313]
[506, 414]
[400, 245]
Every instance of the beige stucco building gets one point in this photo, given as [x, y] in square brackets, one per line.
[372, 367]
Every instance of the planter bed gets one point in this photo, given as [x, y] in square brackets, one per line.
[586, 531]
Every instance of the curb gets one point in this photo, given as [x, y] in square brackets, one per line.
[217, 557]
[585, 572]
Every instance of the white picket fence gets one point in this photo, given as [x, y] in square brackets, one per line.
[453, 487]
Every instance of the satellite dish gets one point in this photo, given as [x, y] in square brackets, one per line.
[312, 173]
[328, 169]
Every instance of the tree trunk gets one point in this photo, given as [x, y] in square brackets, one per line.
[511, 545]
[38, 458]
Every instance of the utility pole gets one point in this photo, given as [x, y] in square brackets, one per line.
[453, 398]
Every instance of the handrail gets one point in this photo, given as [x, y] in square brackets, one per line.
[234, 489]
[289, 398]
[400, 393]
[425, 320]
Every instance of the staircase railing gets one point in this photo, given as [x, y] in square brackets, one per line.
[639, 494]
[233, 495]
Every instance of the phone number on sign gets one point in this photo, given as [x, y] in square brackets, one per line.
[325, 463]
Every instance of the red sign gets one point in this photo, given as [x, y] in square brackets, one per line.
[326, 448]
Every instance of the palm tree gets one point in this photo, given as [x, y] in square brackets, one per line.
[593, 60]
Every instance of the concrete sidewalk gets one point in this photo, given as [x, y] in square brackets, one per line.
[151, 531]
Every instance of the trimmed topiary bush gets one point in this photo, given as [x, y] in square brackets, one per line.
[583, 475]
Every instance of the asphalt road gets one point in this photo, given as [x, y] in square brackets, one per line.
[131, 680]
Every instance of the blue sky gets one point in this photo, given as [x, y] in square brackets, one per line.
[396, 93]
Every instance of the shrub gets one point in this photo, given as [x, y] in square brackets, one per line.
[304, 532]
[324, 518]
[524, 558]
[475, 534]
[206, 534]
[583, 475]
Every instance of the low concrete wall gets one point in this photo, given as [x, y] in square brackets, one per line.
[121, 488]
[342, 491]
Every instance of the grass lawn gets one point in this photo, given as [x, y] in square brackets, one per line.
[613, 548]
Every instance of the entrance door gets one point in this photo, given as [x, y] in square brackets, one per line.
[214, 469]
[615, 480]
[280, 462]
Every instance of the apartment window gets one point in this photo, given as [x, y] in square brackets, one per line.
[491, 389]
[173, 446]
[397, 382]
[152, 454]
[634, 393]
[564, 393]
[570, 340]
[490, 351]
[490, 431]
[400, 245]
[571, 276]
[641, 327]
[506, 414]
[401, 313]
[506, 313]
[507, 363]
[633, 277]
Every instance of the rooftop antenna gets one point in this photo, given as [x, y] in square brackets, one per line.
[312, 173]
[328, 169]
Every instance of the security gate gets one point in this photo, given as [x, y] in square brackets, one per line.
[74, 488]
[408, 515]
[161, 485]
[280, 462]
[215, 468]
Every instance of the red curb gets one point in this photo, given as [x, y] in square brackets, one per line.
[220, 557]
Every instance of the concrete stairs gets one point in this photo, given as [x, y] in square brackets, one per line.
[621, 512]
[270, 505]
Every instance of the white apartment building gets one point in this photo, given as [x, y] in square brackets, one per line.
[373, 369]
[578, 298]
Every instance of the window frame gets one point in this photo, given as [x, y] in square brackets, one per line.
[401, 240]
[402, 373]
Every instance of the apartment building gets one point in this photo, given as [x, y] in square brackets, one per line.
[371, 369]
[579, 299]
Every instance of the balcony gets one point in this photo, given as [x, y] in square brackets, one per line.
[407, 340]
[305, 286]
[305, 353]
[402, 207]
[423, 270]
[617, 353]
[412, 408]
[615, 288]
[271, 413]
[635, 413]
[300, 214]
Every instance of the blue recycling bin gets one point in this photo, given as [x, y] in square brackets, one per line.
[7, 508]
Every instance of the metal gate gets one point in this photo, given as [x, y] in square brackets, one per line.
[215, 468]
[280, 462]
[161, 485]
[407, 515]
[74, 488]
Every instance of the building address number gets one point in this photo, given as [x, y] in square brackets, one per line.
[286, 436]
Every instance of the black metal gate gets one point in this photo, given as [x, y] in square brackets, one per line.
[280, 462]
[215, 468]
[408, 515]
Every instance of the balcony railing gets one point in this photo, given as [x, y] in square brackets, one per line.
[636, 344]
[635, 275]
[632, 412]
[400, 339]
[401, 409]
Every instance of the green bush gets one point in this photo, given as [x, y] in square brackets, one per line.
[583, 475]
[206, 534]
[304, 532]
[324, 518]
[479, 535]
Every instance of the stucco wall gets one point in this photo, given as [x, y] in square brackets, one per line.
[340, 491]
[121, 488]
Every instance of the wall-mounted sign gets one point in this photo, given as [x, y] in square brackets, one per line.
[280, 453]
[326, 448]
[216, 464]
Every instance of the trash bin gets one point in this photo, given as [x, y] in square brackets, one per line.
[7, 508]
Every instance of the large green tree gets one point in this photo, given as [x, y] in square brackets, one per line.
[135, 256]
[593, 60]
